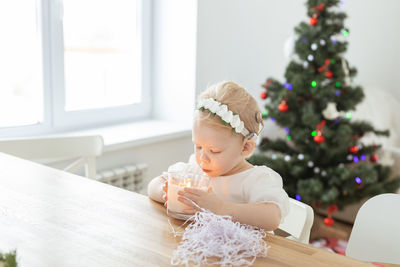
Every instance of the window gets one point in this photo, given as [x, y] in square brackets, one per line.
[21, 85]
[100, 54]
[72, 64]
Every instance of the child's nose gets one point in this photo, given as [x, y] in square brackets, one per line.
[203, 157]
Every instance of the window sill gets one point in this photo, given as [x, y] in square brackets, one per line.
[138, 133]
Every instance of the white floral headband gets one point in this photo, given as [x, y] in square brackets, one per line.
[226, 115]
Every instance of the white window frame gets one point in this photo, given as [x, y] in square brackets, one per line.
[55, 118]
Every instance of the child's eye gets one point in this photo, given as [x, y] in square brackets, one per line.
[215, 152]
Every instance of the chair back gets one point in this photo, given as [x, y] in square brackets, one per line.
[298, 222]
[84, 149]
[375, 236]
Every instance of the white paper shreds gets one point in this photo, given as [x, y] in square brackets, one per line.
[217, 240]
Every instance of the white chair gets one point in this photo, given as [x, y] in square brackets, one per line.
[84, 149]
[298, 222]
[375, 236]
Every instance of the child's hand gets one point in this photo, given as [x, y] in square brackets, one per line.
[205, 199]
[165, 196]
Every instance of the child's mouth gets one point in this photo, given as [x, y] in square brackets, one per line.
[204, 170]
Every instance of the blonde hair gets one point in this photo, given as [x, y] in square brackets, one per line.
[238, 100]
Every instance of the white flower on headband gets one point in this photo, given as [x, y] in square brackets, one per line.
[222, 110]
[207, 103]
[214, 107]
[240, 128]
[235, 122]
[226, 115]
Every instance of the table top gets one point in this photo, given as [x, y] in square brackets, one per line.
[54, 218]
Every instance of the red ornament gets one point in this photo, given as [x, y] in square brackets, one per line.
[313, 21]
[328, 221]
[283, 107]
[353, 149]
[332, 208]
[263, 95]
[374, 158]
[319, 8]
[326, 64]
[269, 81]
[319, 139]
[320, 126]
[329, 74]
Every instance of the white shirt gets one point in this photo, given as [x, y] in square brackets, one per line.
[259, 184]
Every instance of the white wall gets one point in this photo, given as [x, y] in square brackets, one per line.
[374, 43]
[243, 41]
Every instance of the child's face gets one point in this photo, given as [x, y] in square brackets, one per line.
[218, 151]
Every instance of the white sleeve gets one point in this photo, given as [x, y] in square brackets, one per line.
[267, 187]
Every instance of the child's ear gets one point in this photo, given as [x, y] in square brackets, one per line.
[248, 148]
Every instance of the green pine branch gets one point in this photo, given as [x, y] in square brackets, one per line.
[9, 259]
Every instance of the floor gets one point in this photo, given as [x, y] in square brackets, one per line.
[339, 230]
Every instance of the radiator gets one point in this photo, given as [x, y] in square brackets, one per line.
[130, 177]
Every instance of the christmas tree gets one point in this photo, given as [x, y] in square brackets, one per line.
[323, 159]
